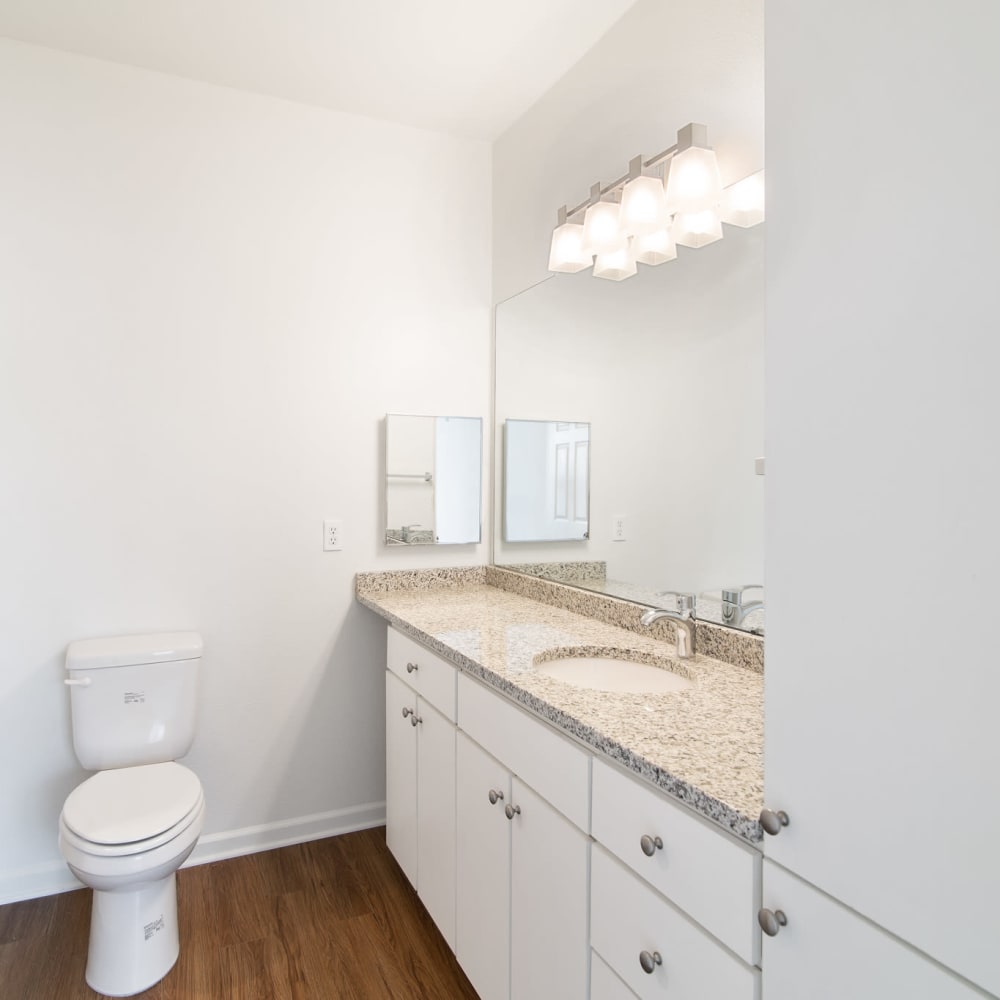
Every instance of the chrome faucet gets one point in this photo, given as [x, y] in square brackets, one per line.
[683, 624]
[405, 531]
[733, 608]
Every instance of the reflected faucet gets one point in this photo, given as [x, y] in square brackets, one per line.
[404, 533]
[733, 608]
[683, 624]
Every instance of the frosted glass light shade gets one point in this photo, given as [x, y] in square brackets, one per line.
[566, 253]
[693, 182]
[601, 232]
[697, 229]
[743, 202]
[644, 206]
[655, 248]
[615, 266]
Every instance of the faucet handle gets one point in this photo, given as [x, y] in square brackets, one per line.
[684, 600]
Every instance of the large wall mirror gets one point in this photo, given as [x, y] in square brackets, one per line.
[667, 369]
[433, 480]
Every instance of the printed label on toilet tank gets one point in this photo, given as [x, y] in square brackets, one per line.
[151, 928]
[135, 697]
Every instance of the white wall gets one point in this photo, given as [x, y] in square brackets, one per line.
[199, 334]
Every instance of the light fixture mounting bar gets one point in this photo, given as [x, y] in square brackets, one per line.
[653, 161]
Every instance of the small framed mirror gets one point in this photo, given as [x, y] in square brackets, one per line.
[546, 493]
[433, 480]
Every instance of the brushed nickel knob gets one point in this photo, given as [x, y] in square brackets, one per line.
[410, 667]
[415, 719]
[511, 811]
[649, 961]
[771, 921]
[772, 822]
[650, 845]
[407, 712]
[495, 796]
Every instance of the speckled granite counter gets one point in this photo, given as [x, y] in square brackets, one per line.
[703, 745]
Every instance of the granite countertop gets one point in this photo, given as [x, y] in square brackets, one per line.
[702, 745]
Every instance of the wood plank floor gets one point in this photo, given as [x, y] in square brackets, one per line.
[332, 920]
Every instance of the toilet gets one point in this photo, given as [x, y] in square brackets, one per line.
[127, 829]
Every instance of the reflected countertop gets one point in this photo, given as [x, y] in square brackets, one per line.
[703, 745]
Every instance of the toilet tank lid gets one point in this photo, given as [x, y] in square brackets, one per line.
[131, 650]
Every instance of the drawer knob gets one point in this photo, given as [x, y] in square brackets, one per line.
[511, 811]
[495, 796]
[415, 719]
[650, 845]
[772, 822]
[771, 921]
[649, 961]
[410, 667]
[407, 712]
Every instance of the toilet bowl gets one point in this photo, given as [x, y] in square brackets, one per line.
[124, 833]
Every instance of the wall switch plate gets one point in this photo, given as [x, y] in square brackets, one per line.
[333, 535]
[758, 466]
[618, 532]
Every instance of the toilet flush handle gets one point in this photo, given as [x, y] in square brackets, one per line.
[77, 681]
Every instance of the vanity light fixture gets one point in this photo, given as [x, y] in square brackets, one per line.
[673, 199]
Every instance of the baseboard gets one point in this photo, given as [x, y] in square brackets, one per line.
[53, 876]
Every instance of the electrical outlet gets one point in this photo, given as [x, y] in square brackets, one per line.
[333, 535]
[618, 533]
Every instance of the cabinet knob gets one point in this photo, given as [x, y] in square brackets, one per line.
[410, 667]
[649, 961]
[772, 822]
[511, 811]
[407, 712]
[650, 845]
[771, 921]
[415, 719]
[495, 796]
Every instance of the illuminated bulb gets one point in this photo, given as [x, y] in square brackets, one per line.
[743, 202]
[693, 183]
[566, 253]
[617, 265]
[655, 248]
[644, 206]
[697, 229]
[601, 232]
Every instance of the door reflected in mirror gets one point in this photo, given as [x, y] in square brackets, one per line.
[546, 480]
[433, 480]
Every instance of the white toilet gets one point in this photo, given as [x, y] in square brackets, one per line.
[125, 831]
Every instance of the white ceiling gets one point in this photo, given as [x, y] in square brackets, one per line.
[467, 67]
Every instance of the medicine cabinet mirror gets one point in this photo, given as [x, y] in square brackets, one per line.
[433, 480]
[546, 477]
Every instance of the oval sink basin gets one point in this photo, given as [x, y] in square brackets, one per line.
[602, 673]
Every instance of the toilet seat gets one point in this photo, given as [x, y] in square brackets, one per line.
[131, 810]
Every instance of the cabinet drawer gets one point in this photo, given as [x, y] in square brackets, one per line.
[627, 917]
[429, 675]
[711, 876]
[555, 768]
[604, 984]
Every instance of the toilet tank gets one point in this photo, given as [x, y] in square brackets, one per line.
[133, 698]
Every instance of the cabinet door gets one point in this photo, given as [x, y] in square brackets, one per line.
[549, 891]
[483, 918]
[436, 817]
[883, 478]
[827, 952]
[401, 776]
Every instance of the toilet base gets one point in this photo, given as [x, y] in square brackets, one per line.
[133, 937]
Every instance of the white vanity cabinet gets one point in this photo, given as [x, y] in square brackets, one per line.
[825, 951]
[420, 774]
[673, 900]
[522, 864]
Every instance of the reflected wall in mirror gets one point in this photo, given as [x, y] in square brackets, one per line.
[546, 476]
[433, 479]
[668, 367]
